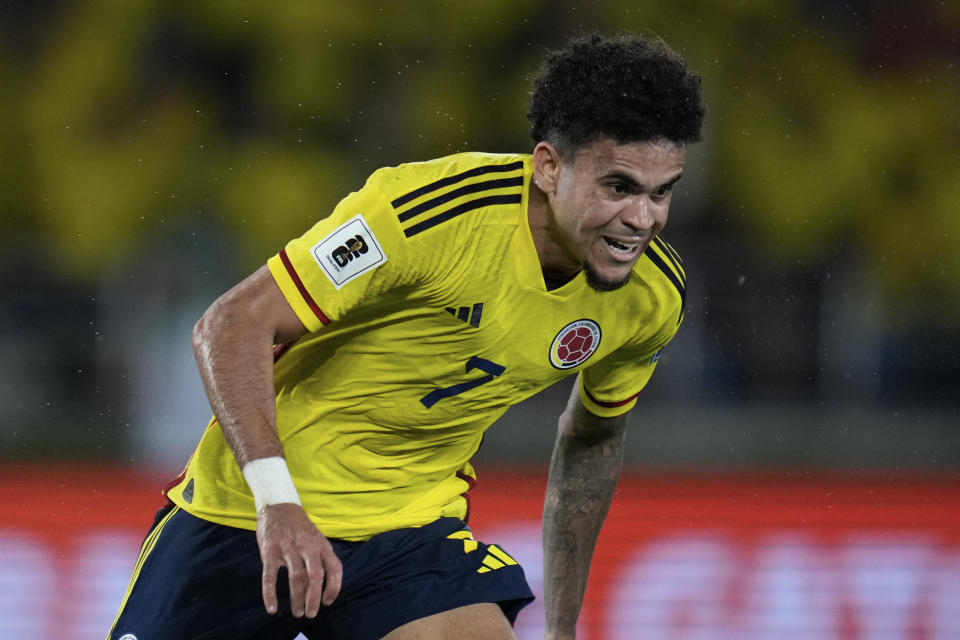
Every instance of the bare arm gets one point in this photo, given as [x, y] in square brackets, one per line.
[233, 344]
[584, 469]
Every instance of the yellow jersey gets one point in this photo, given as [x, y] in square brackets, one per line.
[427, 317]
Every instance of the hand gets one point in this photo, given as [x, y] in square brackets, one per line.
[287, 538]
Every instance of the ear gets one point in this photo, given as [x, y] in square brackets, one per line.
[547, 163]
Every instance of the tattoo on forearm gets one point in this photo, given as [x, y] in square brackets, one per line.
[583, 475]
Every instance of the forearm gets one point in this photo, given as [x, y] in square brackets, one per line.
[583, 475]
[236, 366]
[233, 345]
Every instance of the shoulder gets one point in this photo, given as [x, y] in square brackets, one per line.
[424, 194]
[424, 217]
[407, 182]
[661, 269]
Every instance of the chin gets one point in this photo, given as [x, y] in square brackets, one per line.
[601, 282]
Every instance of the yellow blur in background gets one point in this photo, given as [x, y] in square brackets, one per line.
[155, 152]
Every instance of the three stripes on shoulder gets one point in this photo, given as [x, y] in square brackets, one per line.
[468, 195]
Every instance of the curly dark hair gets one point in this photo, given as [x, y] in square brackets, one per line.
[625, 87]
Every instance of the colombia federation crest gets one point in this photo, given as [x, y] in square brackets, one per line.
[574, 344]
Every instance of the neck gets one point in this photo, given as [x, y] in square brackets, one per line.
[555, 281]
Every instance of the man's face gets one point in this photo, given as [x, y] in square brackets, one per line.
[608, 201]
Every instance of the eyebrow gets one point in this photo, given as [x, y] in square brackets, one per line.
[630, 180]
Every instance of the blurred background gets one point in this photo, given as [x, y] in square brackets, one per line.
[154, 153]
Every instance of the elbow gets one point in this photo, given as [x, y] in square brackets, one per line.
[201, 334]
[207, 328]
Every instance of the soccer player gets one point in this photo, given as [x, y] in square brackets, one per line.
[353, 376]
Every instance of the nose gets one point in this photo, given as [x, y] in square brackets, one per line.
[637, 215]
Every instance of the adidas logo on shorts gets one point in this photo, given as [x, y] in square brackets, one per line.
[496, 557]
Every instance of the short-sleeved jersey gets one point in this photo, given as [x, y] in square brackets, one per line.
[427, 317]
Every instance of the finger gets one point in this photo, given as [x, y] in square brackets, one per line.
[334, 577]
[268, 585]
[297, 574]
[315, 574]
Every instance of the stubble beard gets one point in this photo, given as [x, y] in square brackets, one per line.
[600, 284]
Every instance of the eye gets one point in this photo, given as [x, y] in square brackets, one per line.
[663, 191]
[620, 187]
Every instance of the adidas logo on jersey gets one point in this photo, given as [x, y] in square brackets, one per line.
[471, 316]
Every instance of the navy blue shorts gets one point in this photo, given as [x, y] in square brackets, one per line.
[197, 579]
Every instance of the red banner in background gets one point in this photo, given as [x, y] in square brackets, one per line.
[681, 556]
[755, 556]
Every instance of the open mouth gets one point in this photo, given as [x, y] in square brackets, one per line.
[620, 247]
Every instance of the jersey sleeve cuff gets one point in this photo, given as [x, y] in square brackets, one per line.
[603, 408]
[293, 289]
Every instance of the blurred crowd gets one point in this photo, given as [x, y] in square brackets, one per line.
[156, 152]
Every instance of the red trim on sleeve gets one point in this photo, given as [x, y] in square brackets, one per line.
[471, 483]
[610, 405]
[302, 289]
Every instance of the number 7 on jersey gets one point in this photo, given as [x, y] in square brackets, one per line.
[492, 369]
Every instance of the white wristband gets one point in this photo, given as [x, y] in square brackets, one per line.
[269, 480]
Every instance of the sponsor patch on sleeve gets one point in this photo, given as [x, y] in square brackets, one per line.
[349, 251]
